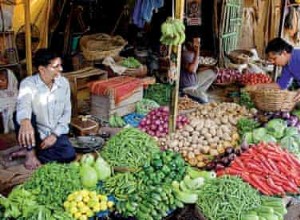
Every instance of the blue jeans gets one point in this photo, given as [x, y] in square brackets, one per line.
[62, 151]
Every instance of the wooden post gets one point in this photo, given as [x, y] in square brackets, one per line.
[175, 90]
[28, 37]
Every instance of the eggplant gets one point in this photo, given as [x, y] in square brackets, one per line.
[225, 161]
[285, 115]
[231, 156]
[229, 150]
[210, 166]
[238, 152]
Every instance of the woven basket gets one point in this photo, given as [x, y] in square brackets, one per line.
[267, 98]
[99, 46]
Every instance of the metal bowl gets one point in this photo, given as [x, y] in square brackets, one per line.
[87, 144]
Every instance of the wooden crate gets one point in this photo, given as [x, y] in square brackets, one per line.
[104, 106]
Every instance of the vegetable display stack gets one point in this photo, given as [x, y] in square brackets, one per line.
[129, 148]
[268, 168]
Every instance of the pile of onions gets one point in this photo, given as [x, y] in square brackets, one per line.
[156, 123]
[227, 76]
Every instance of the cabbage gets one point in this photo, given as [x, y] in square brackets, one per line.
[276, 128]
[248, 137]
[102, 168]
[291, 144]
[291, 131]
[88, 176]
[268, 139]
[258, 134]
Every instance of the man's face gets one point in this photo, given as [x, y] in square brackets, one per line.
[52, 70]
[278, 59]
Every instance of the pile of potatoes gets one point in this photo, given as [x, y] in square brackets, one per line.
[211, 130]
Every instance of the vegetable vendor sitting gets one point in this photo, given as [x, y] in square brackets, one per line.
[193, 83]
[282, 54]
[43, 114]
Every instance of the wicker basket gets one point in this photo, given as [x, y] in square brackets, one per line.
[267, 98]
[239, 56]
[99, 46]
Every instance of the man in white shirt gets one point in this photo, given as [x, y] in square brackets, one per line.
[44, 113]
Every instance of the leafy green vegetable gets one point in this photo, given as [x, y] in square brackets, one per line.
[258, 134]
[268, 139]
[246, 124]
[131, 62]
[245, 100]
[248, 137]
[53, 182]
[276, 127]
[291, 131]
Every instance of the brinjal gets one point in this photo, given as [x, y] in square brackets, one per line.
[229, 150]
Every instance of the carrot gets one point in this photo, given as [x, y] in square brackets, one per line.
[239, 162]
[254, 167]
[294, 159]
[272, 165]
[232, 171]
[260, 185]
[276, 189]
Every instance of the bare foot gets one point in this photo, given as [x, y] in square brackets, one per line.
[18, 153]
[31, 162]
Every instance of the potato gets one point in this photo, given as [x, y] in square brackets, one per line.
[213, 152]
[224, 119]
[204, 149]
[192, 161]
[199, 125]
[188, 128]
[201, 164]
[213, 131]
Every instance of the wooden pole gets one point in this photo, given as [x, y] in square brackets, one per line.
[175, 90]
[28, 37]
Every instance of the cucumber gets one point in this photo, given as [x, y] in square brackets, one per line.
[249, 217]
[268, 216]
[264, 209]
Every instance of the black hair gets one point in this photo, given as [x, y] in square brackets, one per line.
[43, 57]
[278, 45]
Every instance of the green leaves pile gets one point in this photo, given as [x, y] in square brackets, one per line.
[54, 182]
[131, 62]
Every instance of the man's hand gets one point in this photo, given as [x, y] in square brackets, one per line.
[48, 141]
[26, 134]
[196, 44]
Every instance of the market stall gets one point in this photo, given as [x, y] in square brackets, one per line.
[144, 152]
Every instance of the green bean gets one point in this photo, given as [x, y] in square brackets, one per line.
[129, 148]
[225, 198]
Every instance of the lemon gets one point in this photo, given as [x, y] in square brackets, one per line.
[77, 215]
[110, 204]
[84, 209]
[86, 198]
[89, 213]
[78, 198]
[96, 208]
[66, 204]
[71, 197]
[73, 210]
[84, 192]
[104, 198]
[83, 217]
[92, 193]
[103, 206]
[80, 204]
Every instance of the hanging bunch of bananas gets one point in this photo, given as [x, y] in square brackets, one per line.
[173, 32]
